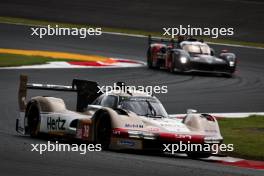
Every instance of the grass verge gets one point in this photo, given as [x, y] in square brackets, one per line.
[12, 20]
[247, 135]
[11, 60]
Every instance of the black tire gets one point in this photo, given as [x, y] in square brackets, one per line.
[228, 75]
[197, 155]
[103, 131]
[33, 116]
[171, 69]
[149, 60]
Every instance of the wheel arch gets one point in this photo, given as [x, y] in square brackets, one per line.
[48, 104]
[203, 122]
[30, 103]
[98, 116]
[35, 104]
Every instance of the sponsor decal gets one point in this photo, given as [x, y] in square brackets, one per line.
[83, 132]
[174, 127]
[153, 129]
[210, 131]
[126, 142]
[55, 124]
[127, 125]
[183, 136]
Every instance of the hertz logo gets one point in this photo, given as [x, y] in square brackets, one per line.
[55, 124]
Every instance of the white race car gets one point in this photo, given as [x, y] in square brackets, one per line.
[116, 120]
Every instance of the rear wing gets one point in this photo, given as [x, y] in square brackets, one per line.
[151, 40]
[172, 42]
[87, 91]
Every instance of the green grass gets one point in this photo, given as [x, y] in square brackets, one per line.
[247, 135]
[8, 60]
[108, 29]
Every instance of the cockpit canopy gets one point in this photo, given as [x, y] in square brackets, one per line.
[142, 106]
[196, 47]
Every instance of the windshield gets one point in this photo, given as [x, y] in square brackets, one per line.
[143, 106]
[197, 48]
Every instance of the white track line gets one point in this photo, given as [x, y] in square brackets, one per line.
[221, 44]
[226, 159]
[143, 36]
[225, 115]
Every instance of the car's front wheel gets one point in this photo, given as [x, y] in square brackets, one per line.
[103, 131]
[228, 75]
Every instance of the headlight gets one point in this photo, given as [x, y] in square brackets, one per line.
[150, 136]
[183, 60]
[134, 134]
[141, 135]
[231, 63]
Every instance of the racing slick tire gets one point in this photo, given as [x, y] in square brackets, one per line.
[172, 66]
[33, 116]
[149, 61]
[103, 130]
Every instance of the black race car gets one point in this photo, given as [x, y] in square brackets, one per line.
[189, 55]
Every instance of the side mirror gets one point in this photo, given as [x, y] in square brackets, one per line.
[163, 50]
[224, 51]
[191, 111]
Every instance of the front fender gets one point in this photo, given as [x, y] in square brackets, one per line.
[203, 123]
[228, 56]
[118, 120]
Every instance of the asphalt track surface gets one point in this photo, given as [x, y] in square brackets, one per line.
[206, 93]
[245, 16]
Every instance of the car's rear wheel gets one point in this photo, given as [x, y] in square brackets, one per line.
[171, 69]
[172, 66]
[33, 116]
[103, 131]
